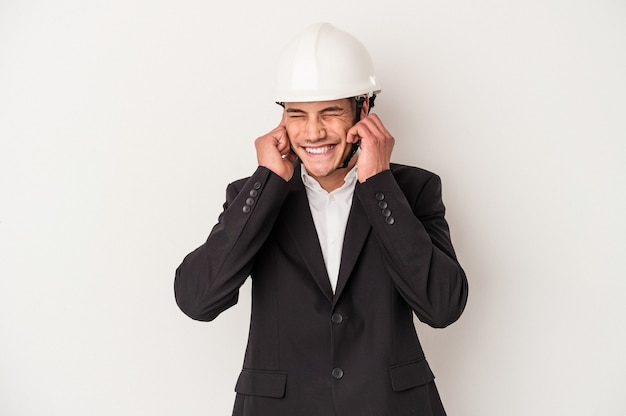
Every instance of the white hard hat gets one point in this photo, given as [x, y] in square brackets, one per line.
[324, 63]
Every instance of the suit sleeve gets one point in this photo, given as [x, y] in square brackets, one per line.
[208, 280]
[415, 240]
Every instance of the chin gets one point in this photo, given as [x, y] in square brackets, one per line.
[320, 170]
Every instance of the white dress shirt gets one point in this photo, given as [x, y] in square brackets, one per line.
[330, 214]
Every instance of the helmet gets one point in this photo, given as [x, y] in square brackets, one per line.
[324, 63]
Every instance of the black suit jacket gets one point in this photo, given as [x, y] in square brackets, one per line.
[312, 352]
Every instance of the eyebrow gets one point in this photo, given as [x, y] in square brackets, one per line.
[324, 110]
[332, 109]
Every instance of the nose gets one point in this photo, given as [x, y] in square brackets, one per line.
[315, 129]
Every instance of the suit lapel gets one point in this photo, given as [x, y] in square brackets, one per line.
[357, 230]
[296, 215]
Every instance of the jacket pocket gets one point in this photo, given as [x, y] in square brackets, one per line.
[409, 375]
[262, 383]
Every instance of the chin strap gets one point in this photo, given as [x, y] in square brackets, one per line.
[355, 147]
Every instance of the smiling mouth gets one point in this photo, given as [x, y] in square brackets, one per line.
[319, 150]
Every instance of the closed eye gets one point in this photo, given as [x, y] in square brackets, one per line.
[292, 113]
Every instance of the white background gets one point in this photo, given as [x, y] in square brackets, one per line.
[122, 121]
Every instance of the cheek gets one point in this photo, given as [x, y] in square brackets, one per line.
[340, 132]
[292, 131]
[341, 128]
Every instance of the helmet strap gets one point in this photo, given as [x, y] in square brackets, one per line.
[360, 101]
[355, 147]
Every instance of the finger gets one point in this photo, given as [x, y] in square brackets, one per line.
[380, 127]
[283, 146]
[373, 123]
[358, 132]
[278, 133]
[373, 126]
[353, 134]
[377, 127]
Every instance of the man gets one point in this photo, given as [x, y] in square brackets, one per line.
[342, 247]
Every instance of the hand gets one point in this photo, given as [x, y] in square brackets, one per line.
[273, 151]
[376, 146]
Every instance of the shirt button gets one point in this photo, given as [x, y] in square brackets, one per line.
[337, 318]
[337, 373]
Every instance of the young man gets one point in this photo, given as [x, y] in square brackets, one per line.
[342, 247]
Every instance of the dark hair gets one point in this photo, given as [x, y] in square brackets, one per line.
[358, 102]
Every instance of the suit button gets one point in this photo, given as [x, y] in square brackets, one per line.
[254, 192]
[337, 373]
[257, 185]
[380, 196]
[250, 201]
[386, 212]
[337, 318]
[246, 209]
[390, 220]
[382, 204]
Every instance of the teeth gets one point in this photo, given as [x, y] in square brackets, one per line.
[318, 150]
